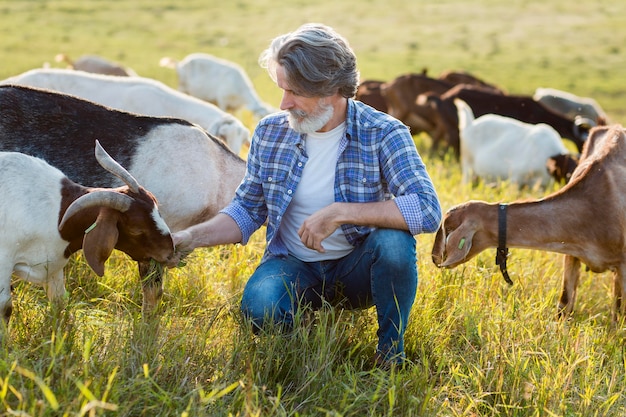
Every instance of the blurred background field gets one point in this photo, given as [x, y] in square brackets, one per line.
[478, 346]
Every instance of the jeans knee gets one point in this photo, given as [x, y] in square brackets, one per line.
[396, 247]
[266, 301]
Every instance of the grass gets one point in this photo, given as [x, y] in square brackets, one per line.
[478, 347]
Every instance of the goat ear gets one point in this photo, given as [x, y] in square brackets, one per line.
[100, 240]
[439, 247]
[458, 245]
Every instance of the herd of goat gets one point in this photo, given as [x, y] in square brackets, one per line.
[63, 126]
[433, 106]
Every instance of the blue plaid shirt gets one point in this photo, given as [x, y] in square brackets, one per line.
[377, 161]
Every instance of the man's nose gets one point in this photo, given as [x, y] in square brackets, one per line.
[286, 102]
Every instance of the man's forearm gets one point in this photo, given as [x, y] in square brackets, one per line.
[219, 230]
[383, 214]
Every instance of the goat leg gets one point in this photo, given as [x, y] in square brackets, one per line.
[571, 274]
[619, 308]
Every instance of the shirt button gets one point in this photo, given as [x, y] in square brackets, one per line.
[364, 180]
[289, 192]
[299, 164]
[269, 179]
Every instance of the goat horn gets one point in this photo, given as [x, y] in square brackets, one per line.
[584, 121]
[112, 199]
[115, 168]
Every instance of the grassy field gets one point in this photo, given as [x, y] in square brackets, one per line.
[478, 347]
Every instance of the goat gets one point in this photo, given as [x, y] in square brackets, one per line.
[138, 95]
[584, 220]
[47, 217]
[217, 81]
[484, 101]
[368, 91]
[568, 104]
[495, 147]
[400, 94]
[191, 173]
[464, 77]
[95, 64]
[562, 166]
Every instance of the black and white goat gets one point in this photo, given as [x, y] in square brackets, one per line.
[192, 174]
[139, 95]
[46, 217]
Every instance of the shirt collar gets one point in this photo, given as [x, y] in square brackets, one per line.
[351, 125]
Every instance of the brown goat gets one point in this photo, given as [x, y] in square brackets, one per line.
[368, 92]
[584, 220]
[95, 64]
[400, 95]
[462, 77]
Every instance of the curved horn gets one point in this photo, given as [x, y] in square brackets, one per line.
[115, 168]
[105, 198]
[582, 126]
[584, 121]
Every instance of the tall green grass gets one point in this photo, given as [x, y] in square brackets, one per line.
[477, 347]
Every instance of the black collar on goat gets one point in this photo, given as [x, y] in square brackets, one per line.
[502, 252]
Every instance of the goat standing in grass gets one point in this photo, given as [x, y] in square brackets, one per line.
[585, 220]
[45, 217]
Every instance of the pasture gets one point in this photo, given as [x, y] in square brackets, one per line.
[478, 347]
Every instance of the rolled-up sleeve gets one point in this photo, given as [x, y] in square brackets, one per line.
[410, 183]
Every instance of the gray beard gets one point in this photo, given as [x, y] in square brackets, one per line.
[302, 122]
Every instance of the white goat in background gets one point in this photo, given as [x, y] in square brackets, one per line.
[495, 147]
[217, 81]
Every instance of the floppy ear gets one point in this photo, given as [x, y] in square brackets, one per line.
[457, 246]
[100, 240]
[439, 247]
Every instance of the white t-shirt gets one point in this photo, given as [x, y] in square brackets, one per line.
[315, 191]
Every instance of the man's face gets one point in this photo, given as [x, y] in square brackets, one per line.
[306, 114]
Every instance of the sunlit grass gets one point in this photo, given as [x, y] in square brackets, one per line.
[476, 346]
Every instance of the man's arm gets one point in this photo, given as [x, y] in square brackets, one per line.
[219, 230]
[320, 225]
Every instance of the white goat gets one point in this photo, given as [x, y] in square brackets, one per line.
[217, 81]
[46, 217]
[138, 95]
[495, 147]
[95, 64]
[570, 105]
[192, 174]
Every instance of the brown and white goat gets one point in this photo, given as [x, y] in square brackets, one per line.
[161, 153]
[585, 220]
[46, 217]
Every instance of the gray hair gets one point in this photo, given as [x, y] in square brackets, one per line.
[318, 62]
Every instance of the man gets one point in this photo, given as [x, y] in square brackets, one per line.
[343, 191]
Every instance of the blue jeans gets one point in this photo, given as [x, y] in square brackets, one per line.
[380, 272]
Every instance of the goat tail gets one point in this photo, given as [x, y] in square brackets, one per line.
[168, 62]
